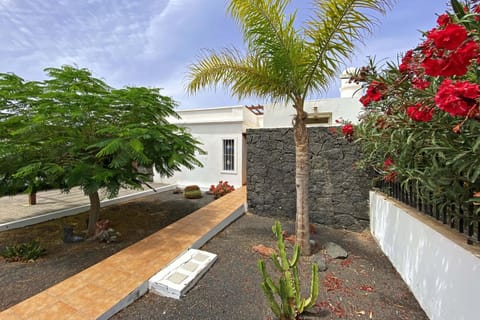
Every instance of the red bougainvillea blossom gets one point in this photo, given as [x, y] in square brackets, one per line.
[458, 98]
[347, 130]
[374, 93]
[420, 113]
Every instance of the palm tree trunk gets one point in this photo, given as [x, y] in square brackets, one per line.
[301, 179]
[94, 212]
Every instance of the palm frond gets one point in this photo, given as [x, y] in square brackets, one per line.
[244, 75]
[269, 33]
[264, 24]
[332, 33]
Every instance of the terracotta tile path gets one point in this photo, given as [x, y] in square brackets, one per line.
[103, 289]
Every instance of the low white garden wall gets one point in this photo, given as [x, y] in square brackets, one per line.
[442, 272]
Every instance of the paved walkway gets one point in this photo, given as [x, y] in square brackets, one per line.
[16, 212]
[105, 288]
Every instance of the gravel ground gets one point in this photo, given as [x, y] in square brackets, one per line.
[134, 219]
[363, 286]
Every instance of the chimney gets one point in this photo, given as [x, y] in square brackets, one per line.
[349, 90]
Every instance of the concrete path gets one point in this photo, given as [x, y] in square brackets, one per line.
[107, 287]
[15, 212]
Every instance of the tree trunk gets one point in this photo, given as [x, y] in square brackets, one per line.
[94, 212]
[32, 198]
[301, 179]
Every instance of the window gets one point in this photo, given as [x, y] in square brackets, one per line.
[319, 118]
[228, 155]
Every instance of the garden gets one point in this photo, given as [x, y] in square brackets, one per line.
[419, 132]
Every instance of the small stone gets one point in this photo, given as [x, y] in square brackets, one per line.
[263, 250]
[321, 262]
[335, 251]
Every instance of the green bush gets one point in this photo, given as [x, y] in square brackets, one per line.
[421, 125]
[29, 251]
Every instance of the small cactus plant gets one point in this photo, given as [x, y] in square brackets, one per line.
[291, 304]
[192, 192]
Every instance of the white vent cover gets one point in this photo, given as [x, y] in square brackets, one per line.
[182, 273]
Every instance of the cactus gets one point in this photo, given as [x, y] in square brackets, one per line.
[291, 304]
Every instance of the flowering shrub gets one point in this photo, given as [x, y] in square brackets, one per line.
[421, 120]
[221, 189]
[347, 130]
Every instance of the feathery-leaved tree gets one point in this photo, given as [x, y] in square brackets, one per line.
[75, 130]
[286, 64]
[18, 148]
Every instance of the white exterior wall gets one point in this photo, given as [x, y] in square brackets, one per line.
[210, 127]
[280, 116]
[443, 275]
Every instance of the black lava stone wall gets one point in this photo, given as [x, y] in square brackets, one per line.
[338, 193]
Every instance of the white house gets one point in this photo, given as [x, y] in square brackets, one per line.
[326, 111]
[222, 133]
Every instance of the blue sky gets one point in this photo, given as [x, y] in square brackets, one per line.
[152, 42]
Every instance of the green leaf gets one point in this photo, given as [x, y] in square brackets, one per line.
[457, 8]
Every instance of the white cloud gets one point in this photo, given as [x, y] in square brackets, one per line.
[151, 42]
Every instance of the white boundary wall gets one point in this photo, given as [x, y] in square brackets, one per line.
[442, 274]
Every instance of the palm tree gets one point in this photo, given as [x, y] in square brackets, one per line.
[285, 64]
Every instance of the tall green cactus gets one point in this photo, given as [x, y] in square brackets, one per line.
[290, 304]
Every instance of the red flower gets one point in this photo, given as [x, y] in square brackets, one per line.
[448, 52]
[458, 98]
[447, 64]
[420, 83]
[392, 175]
[221, 189]
[476, 10]
[443, 20]
[365, 100]
[406, 61]
[347, 130]
[465, 53]
[449, 38]
[374, 93]
[387, 163]
[419, 113]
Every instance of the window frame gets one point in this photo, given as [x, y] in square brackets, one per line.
[234, 155]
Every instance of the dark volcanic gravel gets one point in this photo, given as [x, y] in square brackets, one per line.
[134, 219]
[363, 286]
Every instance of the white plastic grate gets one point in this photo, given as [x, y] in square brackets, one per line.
[182, 274]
